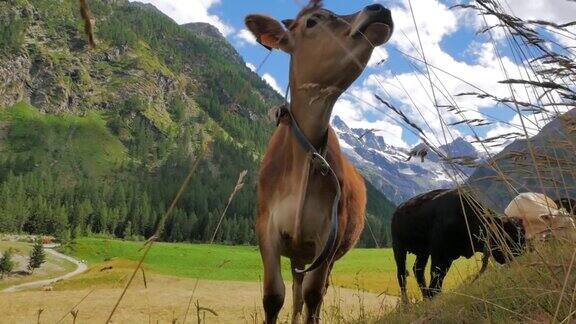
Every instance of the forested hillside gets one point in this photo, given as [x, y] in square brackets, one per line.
[100, 140]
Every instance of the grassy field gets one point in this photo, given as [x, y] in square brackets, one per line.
[166, 298]
[527, 290]
[52, 268]
[372, 270]
[230, 284]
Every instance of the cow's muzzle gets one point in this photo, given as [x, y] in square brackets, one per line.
[375, 23]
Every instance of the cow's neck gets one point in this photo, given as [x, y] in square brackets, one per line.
[311, 108]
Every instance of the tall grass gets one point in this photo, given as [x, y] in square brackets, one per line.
[537, 287]
[541, 285]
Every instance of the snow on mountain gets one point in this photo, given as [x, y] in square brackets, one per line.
[387, 167]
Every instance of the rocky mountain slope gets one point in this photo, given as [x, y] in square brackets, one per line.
[100, 140]
[548, 170]
[387, 167]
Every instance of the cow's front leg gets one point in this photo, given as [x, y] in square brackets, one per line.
[314, 288]
[298, 301]
[438, 271]
[274, 289]
[419, 269]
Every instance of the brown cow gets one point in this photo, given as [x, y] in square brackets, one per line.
[295, 199]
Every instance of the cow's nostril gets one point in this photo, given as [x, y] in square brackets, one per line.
[375, 7]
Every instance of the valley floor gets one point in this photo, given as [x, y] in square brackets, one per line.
[227, 281]
[372, 270]
[166, 298]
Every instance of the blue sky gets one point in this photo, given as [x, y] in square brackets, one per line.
[450, 43]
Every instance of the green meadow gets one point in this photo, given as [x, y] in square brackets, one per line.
[372, 270]
[38, 135]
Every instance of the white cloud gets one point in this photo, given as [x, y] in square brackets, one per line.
[378, 55]
[272, 82]
[558, 11]
[435, 20]
[187, 11]
[244, 36]
[251, 66]
[411, 91]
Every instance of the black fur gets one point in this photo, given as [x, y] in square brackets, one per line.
[568, 203]
[434, 224]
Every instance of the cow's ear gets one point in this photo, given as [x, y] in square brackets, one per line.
[519, 222]
[269, 32]
[288, 23]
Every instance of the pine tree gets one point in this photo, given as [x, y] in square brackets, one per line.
[6, 263]
[127, 231]
[37, 256]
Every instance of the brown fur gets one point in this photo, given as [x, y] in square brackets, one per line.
[274, 172]
[295, 199]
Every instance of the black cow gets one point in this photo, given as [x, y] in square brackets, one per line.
[567, 203]
[434, 224]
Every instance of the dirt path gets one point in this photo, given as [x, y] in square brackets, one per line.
[81, 267]
[167, 298]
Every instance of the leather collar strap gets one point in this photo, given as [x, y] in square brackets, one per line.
[284, 114]
[317, 158]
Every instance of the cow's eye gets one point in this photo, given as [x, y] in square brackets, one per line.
[311, 22]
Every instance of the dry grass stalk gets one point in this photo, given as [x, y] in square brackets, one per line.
[159, 230]
[203, 310]
[190, 300]
[40, 310]
[144, 278]
[87, 17]
[73, 309]
[237, 188]
[74, 314]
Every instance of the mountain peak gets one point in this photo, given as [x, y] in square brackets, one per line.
[459, 148]
[388, 168]
[341, 125]
[205, 30]
[212, 35]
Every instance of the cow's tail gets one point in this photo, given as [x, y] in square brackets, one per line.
[400, 258]
[401, 272]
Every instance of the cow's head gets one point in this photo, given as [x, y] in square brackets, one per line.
[327, 50]
[558, 219]
[511, 242]
[568, 204]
